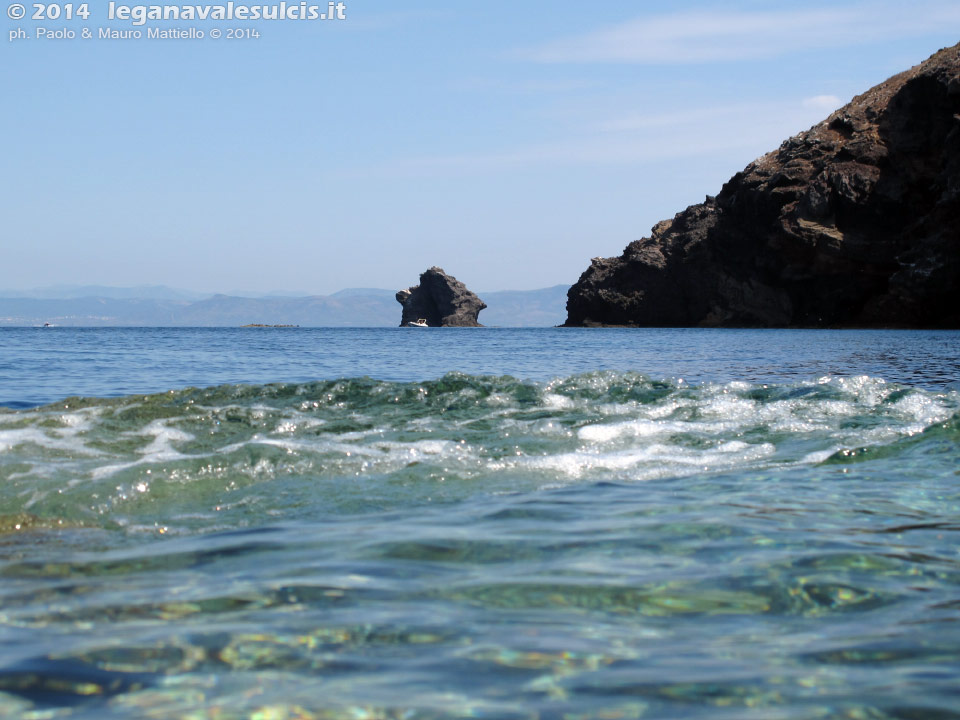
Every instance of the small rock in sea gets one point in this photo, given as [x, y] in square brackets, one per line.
[441, 300]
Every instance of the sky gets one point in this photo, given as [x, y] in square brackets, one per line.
[508, 142]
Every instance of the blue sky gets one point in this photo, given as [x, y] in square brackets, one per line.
[508, 142]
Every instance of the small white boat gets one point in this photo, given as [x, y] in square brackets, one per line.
[419, 322]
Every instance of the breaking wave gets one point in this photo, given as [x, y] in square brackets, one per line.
[235, 455]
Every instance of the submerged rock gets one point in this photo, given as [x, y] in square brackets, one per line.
[855, 222]
[441, 300]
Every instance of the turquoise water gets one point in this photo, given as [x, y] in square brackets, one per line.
[497, 524]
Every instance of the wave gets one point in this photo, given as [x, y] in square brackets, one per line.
[237, 455]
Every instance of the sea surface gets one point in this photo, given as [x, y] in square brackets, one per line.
[479, 523]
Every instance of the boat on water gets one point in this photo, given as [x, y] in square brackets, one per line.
[419, 322]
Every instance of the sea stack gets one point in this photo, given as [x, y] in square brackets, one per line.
[441, 300]
[854, 223]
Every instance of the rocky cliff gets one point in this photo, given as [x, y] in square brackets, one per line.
[441, 300]
[855, 222]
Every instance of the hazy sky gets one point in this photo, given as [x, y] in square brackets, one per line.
[507, 141]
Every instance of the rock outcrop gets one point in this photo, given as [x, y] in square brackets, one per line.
[441, 300]
[854, 223]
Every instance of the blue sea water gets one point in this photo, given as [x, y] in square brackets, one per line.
[498, 523]
[43, 365]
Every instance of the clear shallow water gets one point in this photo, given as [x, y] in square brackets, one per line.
[774, 536]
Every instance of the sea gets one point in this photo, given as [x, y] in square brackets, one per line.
[273, 523]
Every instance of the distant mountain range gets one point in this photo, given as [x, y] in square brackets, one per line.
[160, 306]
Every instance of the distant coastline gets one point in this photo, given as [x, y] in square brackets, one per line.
[165, 307]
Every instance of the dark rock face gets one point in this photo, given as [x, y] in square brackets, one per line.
[441, 300]
[854, 223]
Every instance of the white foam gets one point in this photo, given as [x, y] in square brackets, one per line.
[644, 463]
[921, 411]
[10, 439]
[66, 438]
[815, 458]
[868, 391]
[557, 402]
[607, 433]
[616, 409]
[667, 408]
[159, 450]
[730, 407]
[330, 445]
